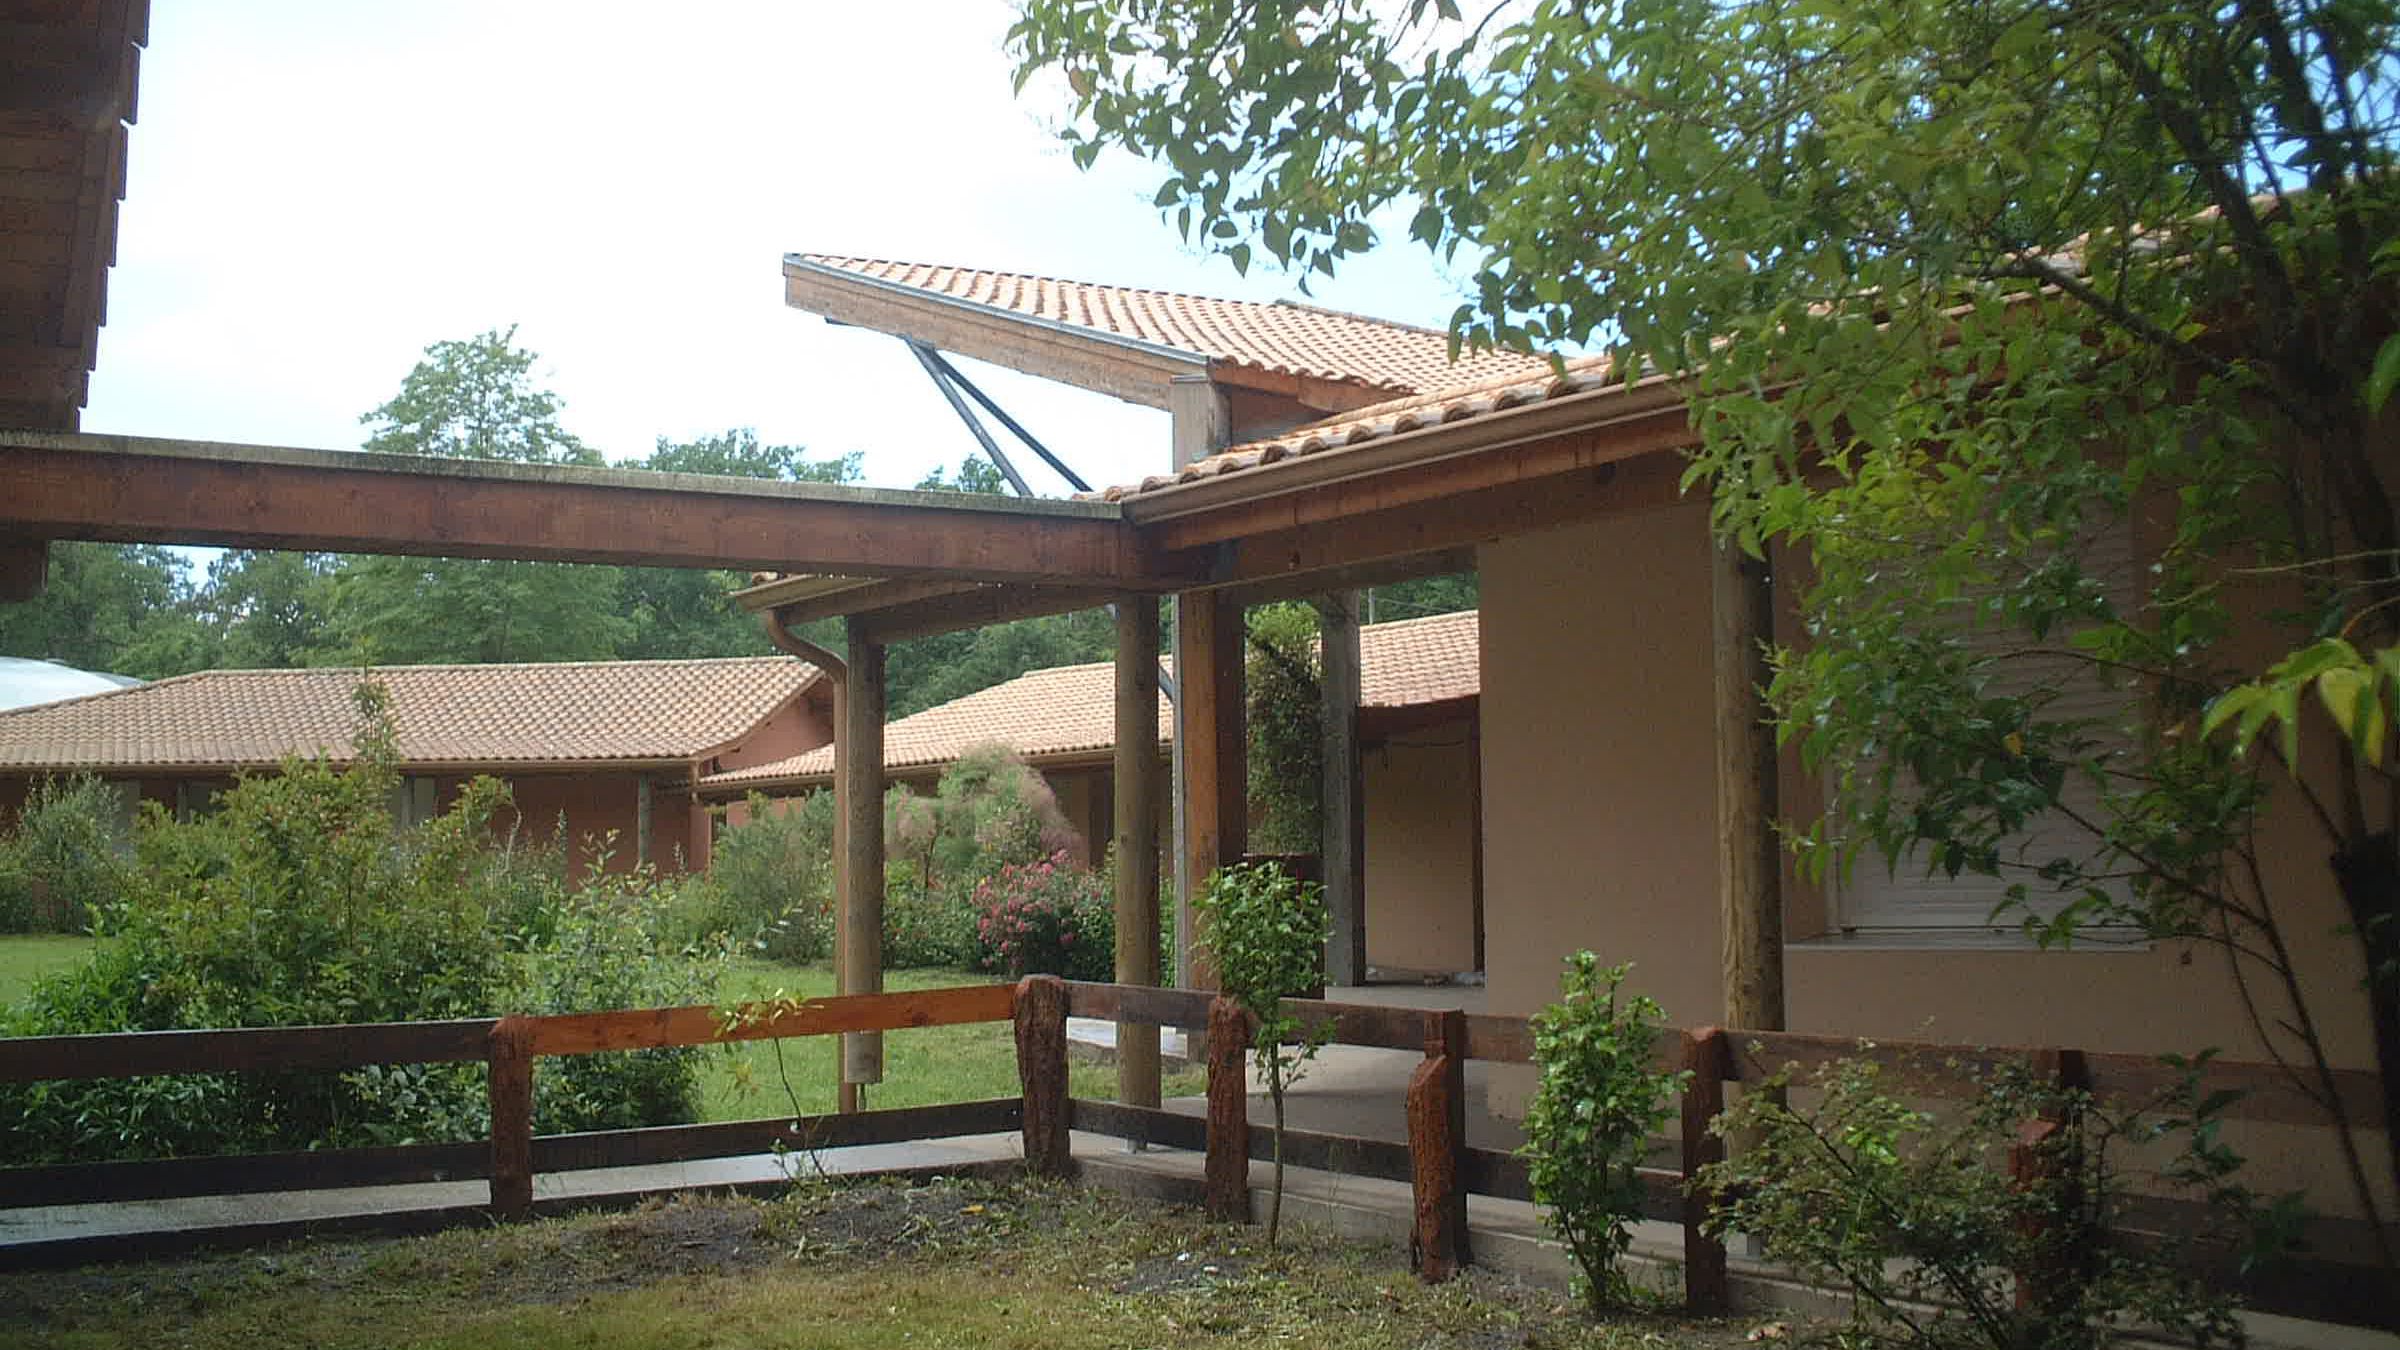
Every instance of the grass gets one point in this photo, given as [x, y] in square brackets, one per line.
[26, 957]
[922, 1066]
[1042, 1267]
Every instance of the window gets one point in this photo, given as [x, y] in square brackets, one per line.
[1916, 898]
[413, 801]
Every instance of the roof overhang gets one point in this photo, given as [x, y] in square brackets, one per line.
[1106, 363]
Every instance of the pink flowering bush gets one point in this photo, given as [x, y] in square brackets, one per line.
[1048, 917]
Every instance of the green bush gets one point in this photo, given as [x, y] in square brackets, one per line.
[1913, 1212]
[1047, 918]
[65, 860]
[1599, 1101]
[299, 902]
[769, 884]
[925, 928]
[1265, 930]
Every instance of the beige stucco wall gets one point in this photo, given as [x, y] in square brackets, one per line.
[1421, 851]
[1600, 827]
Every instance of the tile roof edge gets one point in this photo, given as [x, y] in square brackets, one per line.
[1073, 331]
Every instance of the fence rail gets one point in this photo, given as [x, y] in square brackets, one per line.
[1436, 1161]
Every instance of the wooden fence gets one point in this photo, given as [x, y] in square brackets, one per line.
[2336, 1280]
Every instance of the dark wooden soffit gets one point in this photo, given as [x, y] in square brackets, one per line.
[68, 74]
[128, 489]
[1127, 368]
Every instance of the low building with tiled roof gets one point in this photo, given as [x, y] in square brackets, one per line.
[1420, 682]
[604, 746]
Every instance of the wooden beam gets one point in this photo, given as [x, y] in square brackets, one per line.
[1363, 576]
[1216, 825]
[1136, 840]
[1289, 555]
[1202, 417]
[1343, 818]
[1749, 860]
[134, 490]
[860, 804]
[868, 597]
[644, 795]
[977, 608]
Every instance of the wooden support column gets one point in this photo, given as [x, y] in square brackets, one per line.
[1201, 420]
[1216, 807]
[1137, 783]
[860, 806]
[644, 793]
[1749, 858]
[1344, 845]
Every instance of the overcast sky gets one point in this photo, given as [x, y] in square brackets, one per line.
[318, 190]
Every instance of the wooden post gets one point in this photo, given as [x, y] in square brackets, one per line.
[2037, 1163]
[1344, 843]
[860, 805]
[1749, 859]
[509, 1065]
[1137, 838]
[1708, 1054]
[1226, 1186]
[1215, 757]
[1041, 1017]
[1437, 1141]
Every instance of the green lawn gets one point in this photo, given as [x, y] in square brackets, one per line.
[921, 1066]
[26, 957]
[876, 1267]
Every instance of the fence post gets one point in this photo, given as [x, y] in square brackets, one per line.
[1226, 1185]
[509, 1060]
[1437, 1140]
[2036, 1165]
[1041, 1016]
[1708, 1054]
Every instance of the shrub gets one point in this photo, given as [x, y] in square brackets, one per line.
[1047, 918]
[1598, 1102]
[769, 884]
[300, 902]
[993, 809]
[1265, 931]
[1914, 1213]
[65, 861]
[925, 928]
[611, 949]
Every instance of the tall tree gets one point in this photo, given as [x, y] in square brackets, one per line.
[1959, 287]
[685, 612]
[477, 399]
[270, 609]
[123, 608]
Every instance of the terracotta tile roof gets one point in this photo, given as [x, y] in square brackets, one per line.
[1280, 337]
[1439, 407]
[547, 714]
[1069, 712]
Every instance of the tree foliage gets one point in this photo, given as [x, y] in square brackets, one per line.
[1964, 292]
[1285, 722]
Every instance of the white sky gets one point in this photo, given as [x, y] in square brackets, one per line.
[318, 190]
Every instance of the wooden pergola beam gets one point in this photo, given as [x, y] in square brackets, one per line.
[134, 490]
[1216, 771]
[977, 607]
[858, 800]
